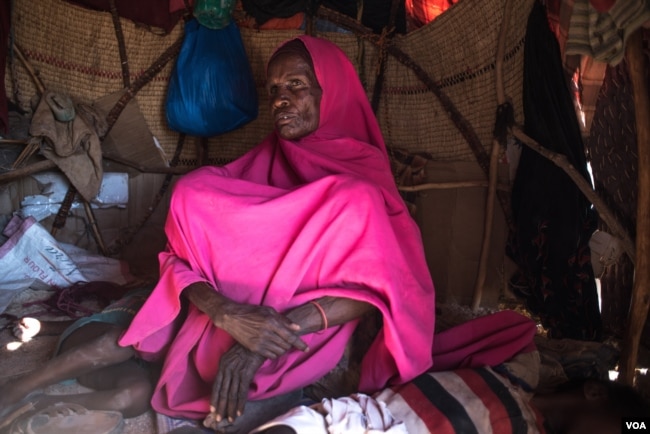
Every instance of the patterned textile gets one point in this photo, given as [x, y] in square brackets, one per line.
[603, 35]
[612, 147]
[464, 395]
[479, 400]
[464, 401]
[553, 219]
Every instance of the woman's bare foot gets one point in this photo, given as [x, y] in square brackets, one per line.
[26, 328]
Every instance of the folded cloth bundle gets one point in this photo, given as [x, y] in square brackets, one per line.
[74, 145]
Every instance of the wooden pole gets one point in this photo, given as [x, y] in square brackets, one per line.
[641, 290]
[40, 87]
[604, 212]
[487, 227]
[494, 165]
[94, 227]
[14, 174]
[450, 185]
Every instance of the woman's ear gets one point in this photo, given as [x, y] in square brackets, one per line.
[594, 390]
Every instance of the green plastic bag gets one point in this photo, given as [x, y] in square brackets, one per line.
[214, 14]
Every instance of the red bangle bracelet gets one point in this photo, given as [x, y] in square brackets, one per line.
[322, 314]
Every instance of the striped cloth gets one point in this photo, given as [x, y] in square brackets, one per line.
[463, 401]
[602, 35]
[479, 400]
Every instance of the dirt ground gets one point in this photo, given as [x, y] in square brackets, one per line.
[31, 355]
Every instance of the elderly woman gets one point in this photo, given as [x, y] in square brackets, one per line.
[281, 251]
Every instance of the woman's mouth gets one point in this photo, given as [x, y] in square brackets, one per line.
[283, 119]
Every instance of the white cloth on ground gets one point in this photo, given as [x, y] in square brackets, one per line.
[354, 414]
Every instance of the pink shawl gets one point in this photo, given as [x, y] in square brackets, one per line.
[286, 223]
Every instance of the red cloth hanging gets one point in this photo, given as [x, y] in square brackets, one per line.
[155, 13]
[422, 12]
[602, 6]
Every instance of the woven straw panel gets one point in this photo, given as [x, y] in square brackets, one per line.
[458, 51]
[75, 50]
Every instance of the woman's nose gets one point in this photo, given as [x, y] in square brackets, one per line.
[281, 99]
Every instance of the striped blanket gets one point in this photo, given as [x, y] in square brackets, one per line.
[463, 401]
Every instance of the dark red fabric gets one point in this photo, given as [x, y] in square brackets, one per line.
[5, 24]
[602, 6]
[149, 12]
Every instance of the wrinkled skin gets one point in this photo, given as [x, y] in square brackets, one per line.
[230, 389]
[294, 96]
[262, 330]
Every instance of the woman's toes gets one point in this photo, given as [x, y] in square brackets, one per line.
[26, 328]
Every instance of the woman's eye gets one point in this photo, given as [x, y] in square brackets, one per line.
[296, 83]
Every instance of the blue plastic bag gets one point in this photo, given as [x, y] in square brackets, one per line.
[211, 90]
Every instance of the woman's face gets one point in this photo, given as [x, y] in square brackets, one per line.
[294, 96]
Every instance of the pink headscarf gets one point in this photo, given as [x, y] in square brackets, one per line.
[348, 138]
[289, 222]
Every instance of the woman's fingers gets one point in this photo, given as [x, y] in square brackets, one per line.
[220, 393]
[238, 393]
[288, 332]
[230, 409]
[271, 350]
[237, 368]
[280, 344]
[285, 335]
[263, 330]
[296, 341]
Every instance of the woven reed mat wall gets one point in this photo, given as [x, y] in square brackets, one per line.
[458, 51]
[75, 50]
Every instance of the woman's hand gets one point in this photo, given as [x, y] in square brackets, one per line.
[260, 329]
[237, 368]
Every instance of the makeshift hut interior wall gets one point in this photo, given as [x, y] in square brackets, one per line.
[414, 122]
[437, 92]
